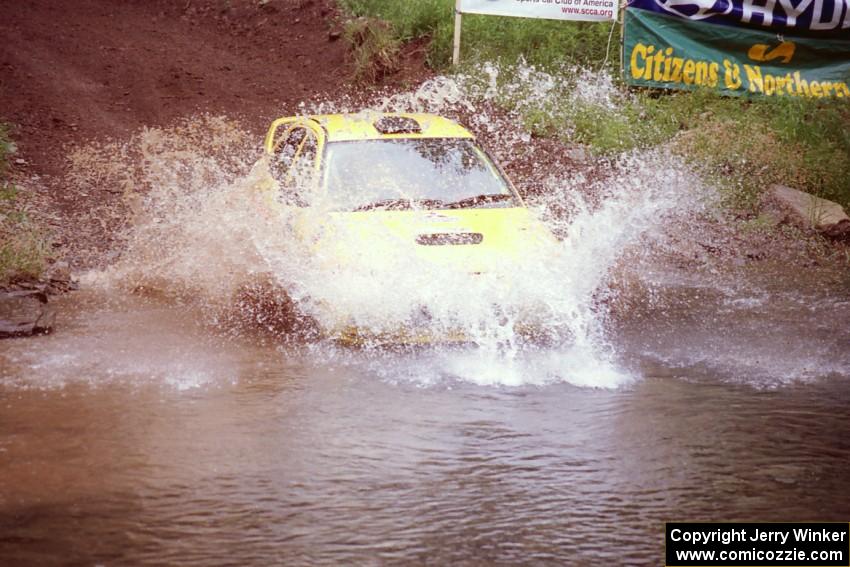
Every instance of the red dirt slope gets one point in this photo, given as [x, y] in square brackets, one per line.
[72, 70]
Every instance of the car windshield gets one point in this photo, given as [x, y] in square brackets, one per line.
[405, 173]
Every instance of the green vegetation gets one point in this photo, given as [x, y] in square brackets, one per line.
[539, 42]
[7, 149]
[374, 47]
[409, 19]
[745, 144]
[801, 143]
[23, 247]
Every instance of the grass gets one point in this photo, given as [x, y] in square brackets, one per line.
[745, 145]
[24, 247]
[7, 149]
[409, 19]
[801, 143]
[539, 42]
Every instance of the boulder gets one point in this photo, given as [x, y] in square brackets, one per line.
[578, 154]
[58, 278]
[811, 212]
[25, 313]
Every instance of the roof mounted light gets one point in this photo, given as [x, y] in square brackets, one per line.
[397, 125]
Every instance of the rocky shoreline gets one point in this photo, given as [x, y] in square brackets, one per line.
[25, 305]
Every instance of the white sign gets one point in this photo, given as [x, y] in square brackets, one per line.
[583, 10]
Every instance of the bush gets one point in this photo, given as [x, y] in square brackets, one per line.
[374, 47]
[7, 149]
[24, 249]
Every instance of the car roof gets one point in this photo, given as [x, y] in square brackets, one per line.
[361, 126]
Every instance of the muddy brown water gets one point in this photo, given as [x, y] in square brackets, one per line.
[134, 435]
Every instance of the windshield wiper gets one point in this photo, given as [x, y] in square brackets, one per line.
[396, 204]
[479, 200]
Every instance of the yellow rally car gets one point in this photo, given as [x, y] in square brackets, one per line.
[420, 178]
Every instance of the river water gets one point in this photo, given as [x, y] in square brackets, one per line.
[137, 435]
[147, 431]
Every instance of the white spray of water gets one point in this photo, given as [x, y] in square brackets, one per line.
[201, 234]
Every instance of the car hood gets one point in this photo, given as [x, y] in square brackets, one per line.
[472, 240]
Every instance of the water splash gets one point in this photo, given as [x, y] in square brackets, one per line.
[199, 235]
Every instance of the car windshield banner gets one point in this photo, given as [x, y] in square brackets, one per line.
[583, 10]
[668, 51]
[812, 18]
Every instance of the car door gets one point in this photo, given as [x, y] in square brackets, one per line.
[294, 151]
[294, 147]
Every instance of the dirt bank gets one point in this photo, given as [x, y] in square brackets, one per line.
[82, 69]
[74, 72]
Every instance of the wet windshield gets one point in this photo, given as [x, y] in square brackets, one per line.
[405, 173]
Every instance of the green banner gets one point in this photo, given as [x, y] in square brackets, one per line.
[675, 53]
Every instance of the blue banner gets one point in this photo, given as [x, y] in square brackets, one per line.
[667, 52]
[807, 18]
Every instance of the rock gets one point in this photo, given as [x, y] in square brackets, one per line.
[20, 161]
[59, 278]
[46, 321]
[578, 154]
[809, 211]
[12, 330]
[31, 285]
[773, 217]
[334, 35]
[22, 301]
[839, 231]
[25, 313]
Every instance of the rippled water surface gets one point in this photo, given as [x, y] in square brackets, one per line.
[136, 436]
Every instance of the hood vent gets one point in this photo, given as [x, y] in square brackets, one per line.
[397, 125]
[449, 238]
